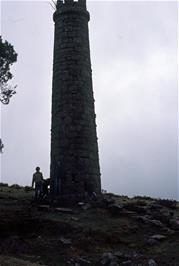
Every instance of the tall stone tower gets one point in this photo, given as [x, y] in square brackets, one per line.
[74, 148]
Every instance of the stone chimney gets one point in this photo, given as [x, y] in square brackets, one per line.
[74, 149]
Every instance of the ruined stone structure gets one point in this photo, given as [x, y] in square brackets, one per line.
[74, 148]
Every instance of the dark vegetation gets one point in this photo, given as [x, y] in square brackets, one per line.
[116, 230]
[8, 56]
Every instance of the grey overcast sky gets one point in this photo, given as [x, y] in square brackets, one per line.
[135, 79]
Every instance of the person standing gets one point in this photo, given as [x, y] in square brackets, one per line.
[37, 179]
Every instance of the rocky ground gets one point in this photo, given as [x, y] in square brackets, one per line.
[114, 231]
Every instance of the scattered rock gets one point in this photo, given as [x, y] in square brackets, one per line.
[43, 207]
[65, 210]
[132, 206]
[158, 237]
[108, 201]
[74, 218]
[108, 258]
[113, 263]
[81, 203]
[119, 254]
[152, 262]
[12, 261]
[126, 258]
[174, 224]
[155, 239]
[84, 262]
[15, 244]
[128, 213]
[161, 215]
[170, 232]
[115, 209]
[147, 220]
[128, 262]
[84, 206]
[152, 242]
[65, 241]
[127, 255]
[157, 223]
[79, 261]
[155, 206]
[172, 204]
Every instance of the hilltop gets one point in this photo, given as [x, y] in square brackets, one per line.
[114, 231]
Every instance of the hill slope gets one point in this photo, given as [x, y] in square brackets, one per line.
[115, 231]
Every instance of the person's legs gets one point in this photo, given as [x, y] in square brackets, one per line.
[37, 191]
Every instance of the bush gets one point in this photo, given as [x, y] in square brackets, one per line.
[15, 186]
[172, 204]
[28, 189]
[4, 185]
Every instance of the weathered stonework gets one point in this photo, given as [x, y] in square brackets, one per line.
[74, 148]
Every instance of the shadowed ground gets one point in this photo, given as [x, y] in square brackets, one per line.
[114, 231]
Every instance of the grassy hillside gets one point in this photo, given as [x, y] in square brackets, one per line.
[114, 231]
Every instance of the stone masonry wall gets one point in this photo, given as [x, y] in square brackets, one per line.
[74, 148]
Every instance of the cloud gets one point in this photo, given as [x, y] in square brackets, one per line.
[134, 63]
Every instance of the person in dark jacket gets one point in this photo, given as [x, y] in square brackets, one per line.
[37, 179]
